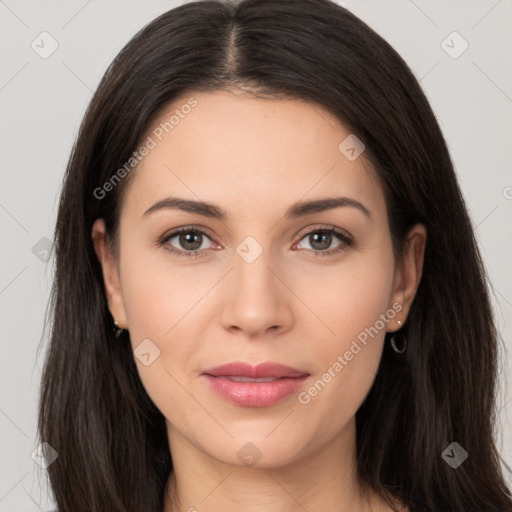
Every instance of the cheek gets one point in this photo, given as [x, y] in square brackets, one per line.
[353, 297]
[356, 309]
[156, 309]
[157, 292]
[169, 303]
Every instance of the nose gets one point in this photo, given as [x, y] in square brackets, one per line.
[257, 301]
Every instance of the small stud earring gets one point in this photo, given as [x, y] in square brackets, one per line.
[118, 329]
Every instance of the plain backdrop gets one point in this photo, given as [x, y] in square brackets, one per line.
[42, 101]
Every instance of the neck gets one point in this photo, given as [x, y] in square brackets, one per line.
[324, 478]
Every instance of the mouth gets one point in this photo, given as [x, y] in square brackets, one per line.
[260, 371]
[247, 379]
[254, 386]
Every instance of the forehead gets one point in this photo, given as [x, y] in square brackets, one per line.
[248, 154]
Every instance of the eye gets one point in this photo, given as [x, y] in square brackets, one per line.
[190, 239]
[322, 238]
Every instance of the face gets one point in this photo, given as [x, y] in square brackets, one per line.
[314, 289]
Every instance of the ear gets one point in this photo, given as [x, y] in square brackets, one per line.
[408, 273]
[110, 271]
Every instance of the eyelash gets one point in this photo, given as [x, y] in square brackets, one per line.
[346, 241]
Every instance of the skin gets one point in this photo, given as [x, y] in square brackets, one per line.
[254, 158]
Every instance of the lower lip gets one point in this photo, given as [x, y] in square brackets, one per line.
[255, 394]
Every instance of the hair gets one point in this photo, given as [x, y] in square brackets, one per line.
[111, 440]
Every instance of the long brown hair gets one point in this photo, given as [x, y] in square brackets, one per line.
[113, 453]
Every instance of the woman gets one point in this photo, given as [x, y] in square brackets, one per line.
[268, 294]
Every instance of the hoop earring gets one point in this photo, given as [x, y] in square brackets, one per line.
[118, 329]
[395, 348]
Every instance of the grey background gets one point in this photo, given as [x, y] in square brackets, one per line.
[42, 102]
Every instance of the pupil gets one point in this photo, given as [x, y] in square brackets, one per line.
[188, 238]
[325, 237]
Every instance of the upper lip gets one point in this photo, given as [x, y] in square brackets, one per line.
[262, 370]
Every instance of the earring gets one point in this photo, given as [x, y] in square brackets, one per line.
[392, 341]
[118, 329]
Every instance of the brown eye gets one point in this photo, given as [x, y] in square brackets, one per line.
[320, 240]
[188, 242]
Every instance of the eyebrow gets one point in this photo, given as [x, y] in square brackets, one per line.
[297, 210]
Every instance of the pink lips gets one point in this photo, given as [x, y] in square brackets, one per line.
[255, 386]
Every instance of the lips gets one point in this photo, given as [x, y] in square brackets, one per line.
[249, 379]
[254, 386]
[261, 371]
